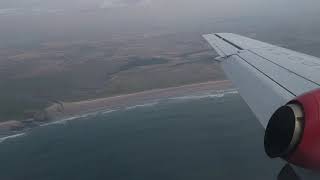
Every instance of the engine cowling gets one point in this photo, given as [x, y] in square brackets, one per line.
[293, 132]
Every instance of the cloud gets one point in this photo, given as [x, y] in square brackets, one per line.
[8, 11]
[124, 3]
[32, 11]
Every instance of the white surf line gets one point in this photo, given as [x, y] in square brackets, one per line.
[65, 120]
[156, 90]
[234, 90]
[217, 94]
[11, 137]
[62, 121]
[142, 105]
[108, 111]
[213, 94]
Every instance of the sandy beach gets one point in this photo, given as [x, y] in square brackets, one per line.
[65, 110]
[68, 109]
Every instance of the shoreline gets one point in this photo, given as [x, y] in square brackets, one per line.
[67, 109]
[62, 111]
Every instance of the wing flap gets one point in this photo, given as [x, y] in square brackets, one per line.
[262, 94]
[290, 81]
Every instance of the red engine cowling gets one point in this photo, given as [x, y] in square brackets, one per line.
[293, 132]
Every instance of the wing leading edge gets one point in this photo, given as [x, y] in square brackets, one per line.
[267, 76]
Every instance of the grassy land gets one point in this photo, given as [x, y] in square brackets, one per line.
[32, 79]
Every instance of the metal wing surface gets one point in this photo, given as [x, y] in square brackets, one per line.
[267, 76]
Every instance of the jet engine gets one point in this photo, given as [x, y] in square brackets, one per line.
[293, 132]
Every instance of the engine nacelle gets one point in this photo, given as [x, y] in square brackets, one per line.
[293, 132]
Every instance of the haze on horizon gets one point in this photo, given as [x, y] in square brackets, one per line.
[37, 20]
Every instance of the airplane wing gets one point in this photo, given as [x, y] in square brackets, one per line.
[281, 87]
[267, 76]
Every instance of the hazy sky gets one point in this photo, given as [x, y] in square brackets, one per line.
[27, 20]
[185, 7]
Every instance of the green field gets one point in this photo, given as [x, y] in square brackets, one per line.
[36, 77]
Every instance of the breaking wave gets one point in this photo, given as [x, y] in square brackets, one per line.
[11, 137]
[108, 111]
[62, 121]
[142, 105]
[216, 94]
[65, 120]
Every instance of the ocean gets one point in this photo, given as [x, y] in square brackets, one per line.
[191, 137]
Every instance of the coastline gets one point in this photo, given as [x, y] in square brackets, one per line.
[62, 112]
[69, 109]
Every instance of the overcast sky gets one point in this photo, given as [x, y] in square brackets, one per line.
[37, 19]
[185, 7]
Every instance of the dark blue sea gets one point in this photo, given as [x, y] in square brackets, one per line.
[196, 138]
